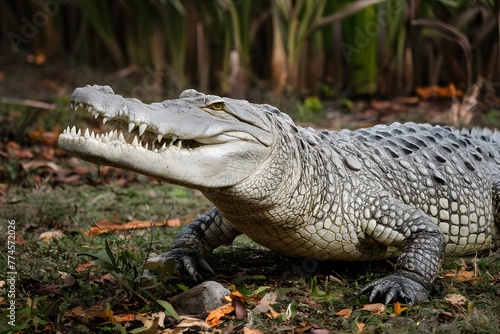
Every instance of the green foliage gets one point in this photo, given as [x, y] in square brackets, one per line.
[358, 47]
[315, 289]
[492, 117]
[127, 272]
[310, 110]
[99, 17]
[34, 313]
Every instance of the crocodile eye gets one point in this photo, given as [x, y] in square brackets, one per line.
[217, 106]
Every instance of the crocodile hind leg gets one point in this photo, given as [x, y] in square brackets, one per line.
[195, 243]
[422, 250]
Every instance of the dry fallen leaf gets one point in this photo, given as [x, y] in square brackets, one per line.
[319, 331]
[360, 326]
[45, 289]
[101, 311]
[75, 312]
[449, 91]
[309, 328]
[462, 276]
[84, 315]
[43, 136]
[37, 59]
[456, 299]
[188, 322]
[15, 150]
[265, 305]
[95, 231]
[375, 309]
[85, 266]
[213, 317]
[125, 318]
[459, 301]
[398, 308]
[234, 294]
[247, 330]
[161, 318]
[346, 313]
[273, 314]
[48, 235]
[107, 277]
[151, 322]
[104, 226]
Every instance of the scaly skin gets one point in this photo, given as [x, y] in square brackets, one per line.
[411, 191]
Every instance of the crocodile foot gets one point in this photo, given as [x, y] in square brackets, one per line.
[398, 286]
[187, 261]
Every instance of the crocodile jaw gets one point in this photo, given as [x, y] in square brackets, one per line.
[212, 161]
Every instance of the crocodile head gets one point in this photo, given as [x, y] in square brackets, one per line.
[197, 140]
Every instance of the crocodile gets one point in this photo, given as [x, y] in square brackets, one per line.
[413, 192]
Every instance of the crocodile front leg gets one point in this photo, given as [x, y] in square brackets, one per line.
[422, 250]
[195, 242]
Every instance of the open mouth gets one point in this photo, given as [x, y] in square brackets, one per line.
[142, 135]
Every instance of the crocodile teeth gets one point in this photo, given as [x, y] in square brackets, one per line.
[135, 142]
[131, 126]
[73, 130]
[142, 128]
[160, 137]
[104, 120]
[179, 144]
[95, 114]
[86, 133]
[72, 105]
[120, 137]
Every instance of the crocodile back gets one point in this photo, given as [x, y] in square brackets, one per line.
[449, 174]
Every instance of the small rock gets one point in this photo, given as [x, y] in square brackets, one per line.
[203, 298]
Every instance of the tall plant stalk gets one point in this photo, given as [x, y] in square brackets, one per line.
[99, 15]
[357, 47]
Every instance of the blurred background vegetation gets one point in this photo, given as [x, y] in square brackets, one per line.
[321, 47]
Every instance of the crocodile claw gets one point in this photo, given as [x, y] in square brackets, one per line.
[187, 261]
[397, 286]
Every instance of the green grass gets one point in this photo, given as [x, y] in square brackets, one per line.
[308, 292]
[43, 297]
[50, 285]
